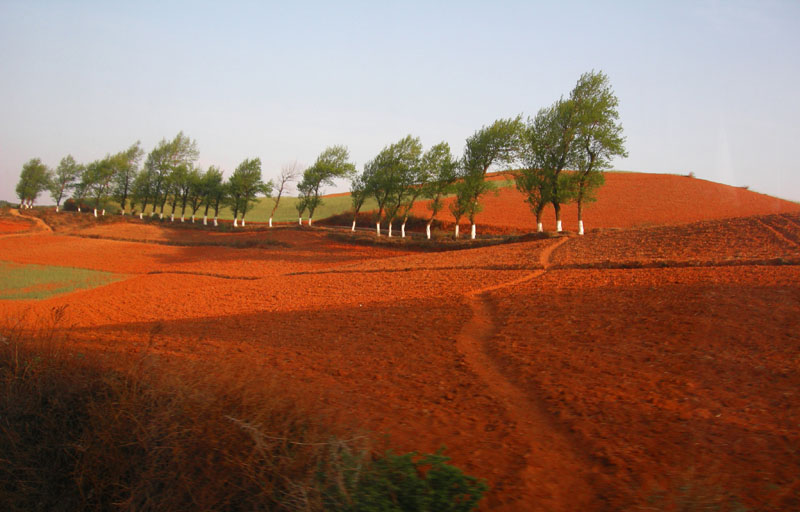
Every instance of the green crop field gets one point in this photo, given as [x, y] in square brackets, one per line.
[20, 282]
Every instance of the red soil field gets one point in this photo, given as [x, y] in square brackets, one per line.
[558, 369]
[626, 200]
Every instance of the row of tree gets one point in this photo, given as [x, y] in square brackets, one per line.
[581, 133]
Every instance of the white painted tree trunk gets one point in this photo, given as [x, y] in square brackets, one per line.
[205, 220]
[457, 230]
[539, 227]
[104, 212]
[300, 220]
[235, 222]
[79, 209]
[56, 208]
[270, 222]
[353, 229]
[378, 228]
[172, 217]
[123, 211]
[192, 219]
[390, 230]
[580, 227]
[95, 212]
[183, 219]
[558, 226]
[141, 216]
[160, 215]
[242, 221]
[403, 230]
[428, 231]
[215, 222]
[309, 222]
[472, 234]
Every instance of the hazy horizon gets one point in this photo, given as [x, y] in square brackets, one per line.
[704, 87]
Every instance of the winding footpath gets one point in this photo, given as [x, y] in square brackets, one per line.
[556, 474]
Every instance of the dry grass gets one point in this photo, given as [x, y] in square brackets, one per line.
[91, 431]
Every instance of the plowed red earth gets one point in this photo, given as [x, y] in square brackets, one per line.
[626, 200]
[556, 369]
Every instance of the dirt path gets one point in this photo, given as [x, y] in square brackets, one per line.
[776, 232]
[556, 474]
[40, 224]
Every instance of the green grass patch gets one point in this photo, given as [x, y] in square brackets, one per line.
[23, 282]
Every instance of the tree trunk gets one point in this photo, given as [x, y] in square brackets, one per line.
[309, 222]
[172, 217]
[403, 230]
[580, 212]
[215, 222]
[300, 220]
[472, 234]
[205, 220]
[390, 230]
[353, 229]
[235, 222]
[95, 212]
[104, 212]
[457, 230]
[557, 207]
[242, 221]
[141, 215]
[79, 209]
[192, 218]
[428, 230]
[56, 208]
[270, 222]
[378, 227]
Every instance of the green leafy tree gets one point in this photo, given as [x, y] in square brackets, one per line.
[143, 191]
[163, 160]
[599, 136]
[196, 191]
[64, 179]
[33, 180]
[302, 201]
[97, 179]
[246, 184]
[214, 190]
[532, 180]
[126, 167]
[390, 176]
[495, 144]
[358, 195]
[332, 163]
[442, 170]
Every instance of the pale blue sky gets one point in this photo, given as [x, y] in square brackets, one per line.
[704, 87]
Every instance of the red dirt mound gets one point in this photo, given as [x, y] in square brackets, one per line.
[628, 200]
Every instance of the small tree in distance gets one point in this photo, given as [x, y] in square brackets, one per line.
[442, 169]
[358, 195]
[332, 163]
[64, 179]
[599, 136]
[33, 180]
[289, 173]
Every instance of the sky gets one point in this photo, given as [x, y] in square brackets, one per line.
[708, 87]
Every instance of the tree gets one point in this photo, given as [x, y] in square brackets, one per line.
[143, 190]
[390, 175]
[442, 170]
[182, 179]
[163, 159]
[246, 184]
[214, 192]
[97, 180]
[332, 163]
[196, 191]
[458, 206]
[302, 201]
[358, 195]
[599, 135]
[126, 167]
[532, 180]
[33, 180]
[64, 178]
[289, 173]
[497, 143]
